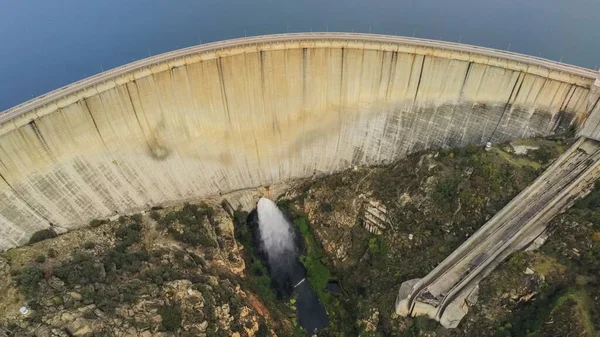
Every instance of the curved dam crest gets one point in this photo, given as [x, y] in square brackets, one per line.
[248, 112]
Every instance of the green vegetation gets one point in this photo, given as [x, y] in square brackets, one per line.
[557, 299]
[42, 235]
[260, 281]
[561, 314]
[263, 330]
[132, 280]
[41, 258]
[590, 203]
[97, 223]
[378, 247]
[171, 317]
[189, 225]
[422, 325]
[155, 215]
[434, 200]
[543, 154]
[318, 273]
[52, 253]
[29, 279]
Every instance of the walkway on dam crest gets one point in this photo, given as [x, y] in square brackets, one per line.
[283, 38]
[442, 294]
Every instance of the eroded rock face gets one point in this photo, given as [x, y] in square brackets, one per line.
[172, 273]
[432, 202]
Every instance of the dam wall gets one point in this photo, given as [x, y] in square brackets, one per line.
[242, 113]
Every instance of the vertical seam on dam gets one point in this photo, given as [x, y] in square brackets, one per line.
[403, 115]
[459, 99]
[304, 61]
[594, 106]
[117, 167]
[592, 110]
[392, 74]
[506, 106]
[94, 122]
[520, 85]
[275, 124]
[414, 118]
[537, 94]
[304, 90]
[381, 72]
[568, 97]
[462, 87]
[420, 77]
[40, 137]
[223, 91]
[262, 96]
[340, 101]
[135, 112]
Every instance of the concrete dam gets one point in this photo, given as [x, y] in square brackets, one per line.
[236, 114]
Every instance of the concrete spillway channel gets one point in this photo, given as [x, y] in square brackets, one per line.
[442, 293]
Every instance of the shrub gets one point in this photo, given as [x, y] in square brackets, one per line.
[117, 259]
[263, 330]
[122, 219]
[199, 260]
[81, 270]
[40, 258]
[89, 315]
[446, 189]
[29, 280]
[97, 223]
[592, 200]
[89, 245]
[129, 234]
[179, 255]
[52, 253]
[326, 207]
[105, 298]
[542, 155]
[42, 235]
[137, 218]
[162, 274]
[378, 247]
[191, 218]
[155, 215]
[171, 317]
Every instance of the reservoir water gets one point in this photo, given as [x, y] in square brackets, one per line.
[48, 44]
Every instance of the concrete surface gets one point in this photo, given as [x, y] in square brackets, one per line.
[236, 114]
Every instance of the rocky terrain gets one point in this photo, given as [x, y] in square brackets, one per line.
[381, 226]
[193, 270]
[175, 272]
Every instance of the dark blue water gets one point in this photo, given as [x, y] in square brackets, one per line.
[47, 44]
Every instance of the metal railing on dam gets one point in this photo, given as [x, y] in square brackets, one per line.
[247, 112]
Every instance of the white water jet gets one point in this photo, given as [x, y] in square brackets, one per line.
[277, 239]
[275, 232]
